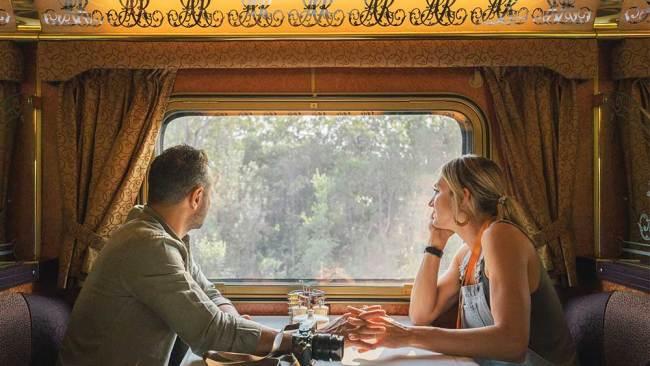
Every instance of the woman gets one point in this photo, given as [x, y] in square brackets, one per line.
[508, 309]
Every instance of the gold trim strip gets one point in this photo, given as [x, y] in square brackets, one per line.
[18, 37]
[620, 35]
[34, 28]
[38, 171]
[597, 127]
[271, 292]
[606, 34]
[347, 36]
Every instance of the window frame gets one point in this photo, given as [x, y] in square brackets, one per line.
[475, 133]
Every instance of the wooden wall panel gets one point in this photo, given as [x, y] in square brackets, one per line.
[20, 221]
[612, 286]
[26, 288]
[583, 199]
[52, 204]
[613, 182]
[251, 81]
[451, 81]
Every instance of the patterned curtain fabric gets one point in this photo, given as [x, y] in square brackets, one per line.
[107, 126]
[63, 60]
[536, 143]
[9, 117]
[632, 114]
[11, 61]
[631, 59]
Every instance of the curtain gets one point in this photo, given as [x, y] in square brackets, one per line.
[107, 126]
[9, 117]
[537, 147]
[632, 113]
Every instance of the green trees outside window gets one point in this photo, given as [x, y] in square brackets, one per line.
[333, 197]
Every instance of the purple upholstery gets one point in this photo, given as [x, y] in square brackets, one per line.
[585, 317]
[49, 322]
[610, 329]
[31, 329]
[627, 329]
[15, 332]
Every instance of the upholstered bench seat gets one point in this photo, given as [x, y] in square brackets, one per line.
[31, 329]
[610, 328]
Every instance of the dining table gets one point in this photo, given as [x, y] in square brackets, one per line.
[351, 357]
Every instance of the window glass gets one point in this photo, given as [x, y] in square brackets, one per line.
[337, 197]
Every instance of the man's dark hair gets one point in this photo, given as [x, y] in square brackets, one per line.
[176, 172]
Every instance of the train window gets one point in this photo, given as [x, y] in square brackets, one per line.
[332, 192]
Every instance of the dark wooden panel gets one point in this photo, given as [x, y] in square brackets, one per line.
[626, 275]
[18, 274]
[20, 221]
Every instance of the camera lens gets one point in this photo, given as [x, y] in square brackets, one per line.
[327, 347]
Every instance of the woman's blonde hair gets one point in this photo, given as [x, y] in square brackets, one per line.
[484, 180]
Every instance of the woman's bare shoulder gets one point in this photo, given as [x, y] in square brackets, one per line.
[509, 252]
[504, 236]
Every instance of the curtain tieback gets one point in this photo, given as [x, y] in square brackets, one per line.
[553, 230]
[85, 235]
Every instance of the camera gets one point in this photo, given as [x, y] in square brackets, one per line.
[307, 345]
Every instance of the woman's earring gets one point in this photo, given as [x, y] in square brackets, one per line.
[464, 222]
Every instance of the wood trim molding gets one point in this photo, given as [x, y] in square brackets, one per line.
[629, 276]
[18, 274]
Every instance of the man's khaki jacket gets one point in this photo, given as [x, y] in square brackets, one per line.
[144, 290]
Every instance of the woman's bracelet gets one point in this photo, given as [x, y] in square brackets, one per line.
[433, 251]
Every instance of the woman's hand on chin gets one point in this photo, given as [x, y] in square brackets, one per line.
[438, 237]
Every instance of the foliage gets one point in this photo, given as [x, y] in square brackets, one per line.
[318, 197]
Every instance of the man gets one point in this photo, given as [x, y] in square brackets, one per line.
[145, 288]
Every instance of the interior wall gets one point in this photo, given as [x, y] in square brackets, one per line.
[52, 200]
[277, 82]
[613, 188]
[20, 220]
[583, 199]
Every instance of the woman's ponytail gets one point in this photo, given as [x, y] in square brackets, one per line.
[510, 210]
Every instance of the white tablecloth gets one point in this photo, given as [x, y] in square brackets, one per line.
[381, 356]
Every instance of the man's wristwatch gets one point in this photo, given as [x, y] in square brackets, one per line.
[433, 251]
